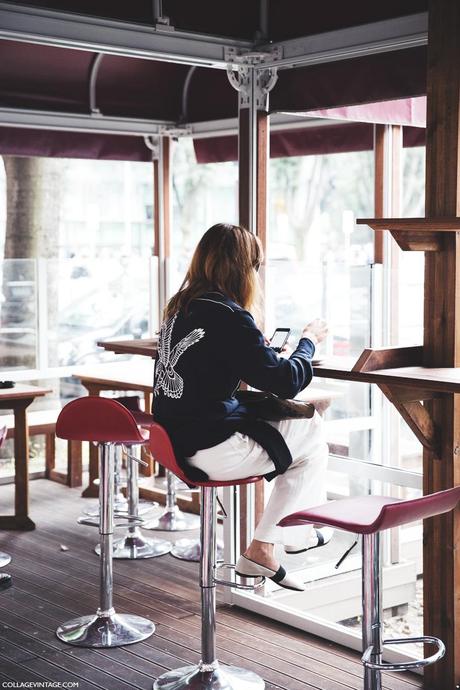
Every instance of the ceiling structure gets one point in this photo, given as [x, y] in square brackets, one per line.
[112, 72]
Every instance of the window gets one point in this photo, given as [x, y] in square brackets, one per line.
[85, 275]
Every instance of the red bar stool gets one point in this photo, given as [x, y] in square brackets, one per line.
[134, 544]
[108, 424]
[208, 674]
[173, 518]
[368, 516]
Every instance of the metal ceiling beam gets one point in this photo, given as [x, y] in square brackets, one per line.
[106, 124]
[69, 30]
[74, 122]
[343, 44]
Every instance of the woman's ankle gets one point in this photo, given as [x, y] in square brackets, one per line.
[261, 552]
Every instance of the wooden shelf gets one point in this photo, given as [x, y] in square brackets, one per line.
[415, 234]
[442, 380]
[399, 373]
[407, 224]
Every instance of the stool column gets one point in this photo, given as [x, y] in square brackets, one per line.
[132, 470]
[207, 574]
[133, 545]
[208, 674]
[119, 501]
[106, 494]
[106, 628]
[372, 607]
[173, 519]
[170, 491]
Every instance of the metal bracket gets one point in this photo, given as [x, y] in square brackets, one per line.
[237, 56]
[153, 143]
[176, 131]
[162, 22]
[250, 79]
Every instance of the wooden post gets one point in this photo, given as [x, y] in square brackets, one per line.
[380, 132]
[162, 230]
[162, 216]
[442, 337]
[253, 146]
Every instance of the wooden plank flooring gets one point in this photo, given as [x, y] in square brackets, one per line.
[52, 586]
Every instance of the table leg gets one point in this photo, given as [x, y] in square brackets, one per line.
[74, 463]
[21, 519]
[147, 471]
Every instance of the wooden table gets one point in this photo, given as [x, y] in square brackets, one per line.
[146, 348]
[119, 376]
[18, 399]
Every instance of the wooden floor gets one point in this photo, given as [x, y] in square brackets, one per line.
[52, 585]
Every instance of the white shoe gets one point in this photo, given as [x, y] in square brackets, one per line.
[321, 537]
[246, 567]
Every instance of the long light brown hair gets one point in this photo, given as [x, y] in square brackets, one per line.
[225, 260]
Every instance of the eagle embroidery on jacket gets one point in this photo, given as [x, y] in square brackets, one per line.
[167, 378]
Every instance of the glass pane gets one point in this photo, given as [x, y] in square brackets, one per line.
[18, 314]
[318, 257]
[203, 194]
[413, 182]
[106, 209]
[91, 300]
[409, 307]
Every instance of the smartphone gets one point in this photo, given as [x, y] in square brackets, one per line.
[279, 338]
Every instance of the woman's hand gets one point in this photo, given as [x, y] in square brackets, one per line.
[316, 331]
[286, 352]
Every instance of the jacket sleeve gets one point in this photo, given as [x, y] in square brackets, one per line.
[260, 367]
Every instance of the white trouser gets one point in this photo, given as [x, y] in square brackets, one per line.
[303, 485]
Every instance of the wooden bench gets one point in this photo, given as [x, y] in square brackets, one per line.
[43, 422]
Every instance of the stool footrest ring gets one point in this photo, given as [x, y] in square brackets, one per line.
[125, 521]
[236, 585]
[406, 665]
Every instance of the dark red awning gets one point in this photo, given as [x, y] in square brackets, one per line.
[340, 138]
[46, 78]
[355, 133]
[41, 142]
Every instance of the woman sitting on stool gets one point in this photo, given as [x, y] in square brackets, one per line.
[209, 343]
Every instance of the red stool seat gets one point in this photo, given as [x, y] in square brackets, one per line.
[99, 419]
[370, 514]
[162, 450]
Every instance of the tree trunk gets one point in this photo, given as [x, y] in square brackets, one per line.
[33, 200]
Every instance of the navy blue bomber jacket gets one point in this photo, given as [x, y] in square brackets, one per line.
[203, 356]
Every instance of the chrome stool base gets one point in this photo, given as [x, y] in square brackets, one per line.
[174, 520]
[190, 550]
[220, 678]
[114, 630]
[4, 559]
[135, 546]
